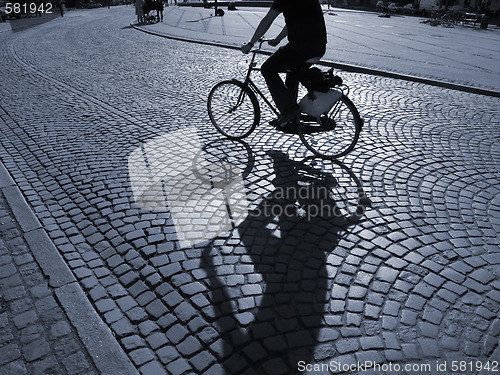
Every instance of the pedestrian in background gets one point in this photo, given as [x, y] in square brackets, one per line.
[61, 7]
[138, 10]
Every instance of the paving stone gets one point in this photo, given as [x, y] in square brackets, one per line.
[185, 312]
[371, 342]
[472, 349]
[251, 290]
[177, 333]
[255, 352]
[216, 369]
[147, 328]
[337, 306]
[429, 348]
[390, 340]
[391, 308]
[275, 366]
[76, 363]
[355, 306]
[152, 368]
[483, 276]
[472, 298]
[156, 340]
[452, 275]
[344, 346]
[189, 346]
[415, 302]
[170, 269]
[372, 312]
[455, 288]
[339, 292]
[178, 367]
[471, 284]
[25, 319]
[202, 361]
[409, 317]
[354, 320]
[10, 352]
[122, 328]
[369, 356]
[167, 354]
[36, 350]
[494, 295]
[327, 334]
[172, 299]
[410, 351]
[394, 355]
[389, 323]
[132, 342]
[433, 315]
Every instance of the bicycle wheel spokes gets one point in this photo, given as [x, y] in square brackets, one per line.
[233, 109]
[336, 134]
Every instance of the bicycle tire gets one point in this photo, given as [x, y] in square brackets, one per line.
[338, 132]
[233, 109]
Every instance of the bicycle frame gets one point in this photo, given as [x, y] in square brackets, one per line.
[249, 83]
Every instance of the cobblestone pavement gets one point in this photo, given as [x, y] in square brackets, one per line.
[36, 337]
[415, 280]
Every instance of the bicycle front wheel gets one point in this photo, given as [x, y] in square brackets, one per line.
[233, 109]
[336, 133]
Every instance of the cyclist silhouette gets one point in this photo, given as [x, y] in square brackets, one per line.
[306, 32]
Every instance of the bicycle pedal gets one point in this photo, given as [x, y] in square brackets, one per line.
[327, 124]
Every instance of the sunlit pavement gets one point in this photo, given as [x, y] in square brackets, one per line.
[400, 269]
[405, 45]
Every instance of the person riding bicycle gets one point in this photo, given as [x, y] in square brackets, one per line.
[306, 32]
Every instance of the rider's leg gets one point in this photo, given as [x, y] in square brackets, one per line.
[285, 59]
[292, 83]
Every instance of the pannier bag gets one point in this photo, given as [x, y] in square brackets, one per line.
[317, 103]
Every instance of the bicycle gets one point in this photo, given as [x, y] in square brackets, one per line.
[235, 112]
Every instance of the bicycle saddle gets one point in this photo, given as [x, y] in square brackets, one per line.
[313, 60]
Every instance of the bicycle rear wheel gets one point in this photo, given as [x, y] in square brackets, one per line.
[233, 109]
[337, 132]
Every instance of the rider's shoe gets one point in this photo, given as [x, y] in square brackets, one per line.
[285, 118]
[288, 128]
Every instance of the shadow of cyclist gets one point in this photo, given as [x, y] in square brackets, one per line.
[271, 322]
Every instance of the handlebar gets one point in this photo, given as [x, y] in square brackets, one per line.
[260, 42]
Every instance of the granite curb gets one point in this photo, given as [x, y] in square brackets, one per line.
[345, 67]
[97, 338]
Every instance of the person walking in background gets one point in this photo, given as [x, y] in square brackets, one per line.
[138, 10]
[61, 7]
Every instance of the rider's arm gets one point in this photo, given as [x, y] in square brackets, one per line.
[280, 37]
[261, 29]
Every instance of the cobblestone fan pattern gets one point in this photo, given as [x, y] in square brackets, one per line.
[35, 335]
[415, 279]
